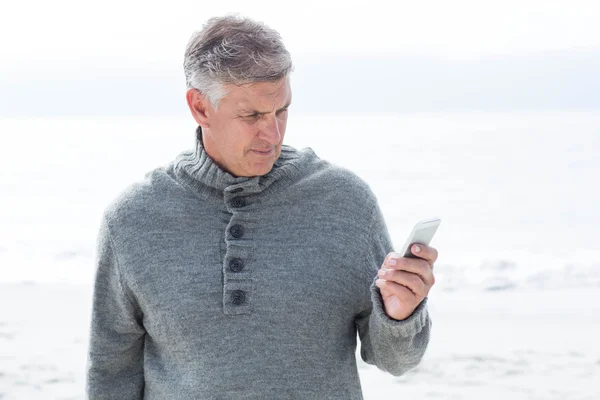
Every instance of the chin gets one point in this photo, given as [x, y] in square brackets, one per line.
[263, 170]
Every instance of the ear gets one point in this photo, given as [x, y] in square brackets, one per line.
[199, 106]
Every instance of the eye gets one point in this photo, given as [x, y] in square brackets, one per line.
[252, 116]
[284, 110]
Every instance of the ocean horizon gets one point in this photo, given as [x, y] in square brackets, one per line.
[514, 191]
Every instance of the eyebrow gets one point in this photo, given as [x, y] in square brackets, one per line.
[245, 111]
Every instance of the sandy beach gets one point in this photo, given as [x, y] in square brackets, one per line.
[513, 344]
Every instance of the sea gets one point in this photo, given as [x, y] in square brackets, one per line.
[518, 193]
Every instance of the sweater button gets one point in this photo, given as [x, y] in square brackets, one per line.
[237, 231]
[238, 297]
[236, 265]
[238, 202]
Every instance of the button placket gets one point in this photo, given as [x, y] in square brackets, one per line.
[237, 262]
[237, 297]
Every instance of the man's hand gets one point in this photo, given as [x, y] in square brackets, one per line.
[405, 282]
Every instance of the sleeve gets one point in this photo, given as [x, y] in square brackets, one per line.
[115, 353]
[391, 345]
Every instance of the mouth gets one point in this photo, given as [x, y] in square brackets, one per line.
[263, 152]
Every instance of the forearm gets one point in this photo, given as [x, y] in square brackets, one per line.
[115, 376]
[391, 345]
[115, 364]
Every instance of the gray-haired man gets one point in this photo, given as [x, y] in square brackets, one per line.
[244, 268]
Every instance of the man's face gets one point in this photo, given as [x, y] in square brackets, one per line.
[245, 133]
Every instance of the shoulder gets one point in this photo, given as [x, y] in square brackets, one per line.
[145, 199]
[332, 192]
[330, 179]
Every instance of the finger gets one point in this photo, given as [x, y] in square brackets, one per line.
[415, 265]
[404, 294]
[412, 281]
[391, 256]
[425, 252]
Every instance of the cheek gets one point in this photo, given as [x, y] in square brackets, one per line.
[242, 137]
[283, 126]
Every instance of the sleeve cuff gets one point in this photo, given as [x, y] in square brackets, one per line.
[399, 328]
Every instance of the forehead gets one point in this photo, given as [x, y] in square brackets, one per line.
[259, 96]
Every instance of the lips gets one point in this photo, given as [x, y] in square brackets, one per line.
[263, 152]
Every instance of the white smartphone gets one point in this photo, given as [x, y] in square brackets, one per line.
[422, 233]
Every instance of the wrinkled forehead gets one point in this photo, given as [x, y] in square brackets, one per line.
[259, 96]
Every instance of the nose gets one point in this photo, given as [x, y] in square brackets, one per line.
[270, 130]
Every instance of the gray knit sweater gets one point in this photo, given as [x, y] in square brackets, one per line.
[210, 286]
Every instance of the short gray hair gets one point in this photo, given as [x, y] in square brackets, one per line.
[234, 50]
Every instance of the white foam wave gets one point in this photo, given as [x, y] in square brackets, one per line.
[509, 274]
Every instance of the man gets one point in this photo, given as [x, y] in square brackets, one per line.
[244, 268]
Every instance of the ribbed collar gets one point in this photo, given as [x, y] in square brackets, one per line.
[198, 170]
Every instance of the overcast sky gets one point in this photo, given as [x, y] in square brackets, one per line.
[65, 49]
